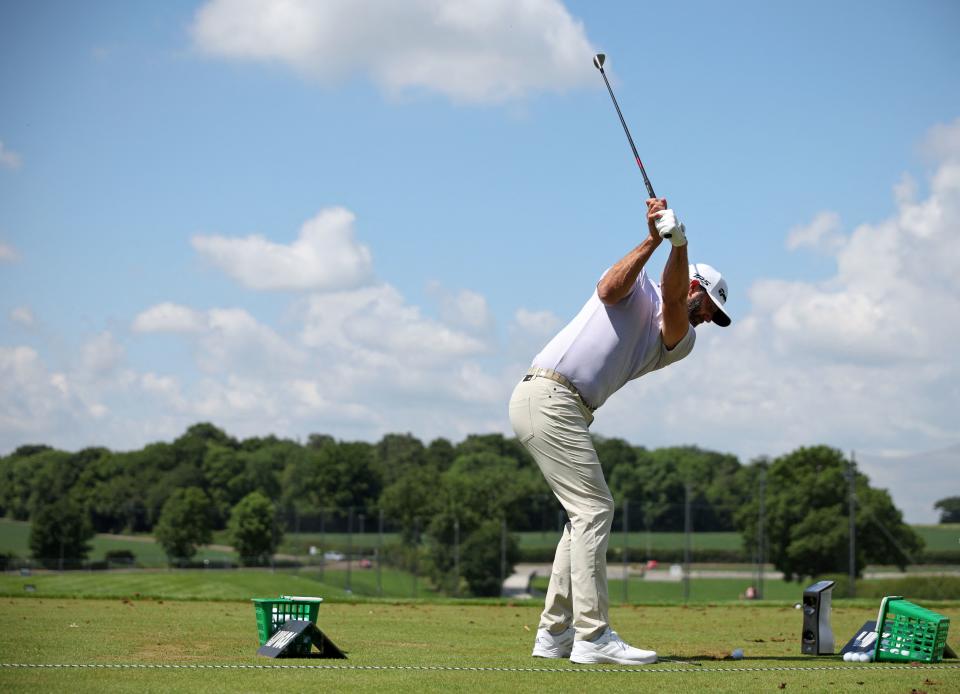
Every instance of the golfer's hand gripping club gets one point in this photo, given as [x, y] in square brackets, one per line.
[670, 228]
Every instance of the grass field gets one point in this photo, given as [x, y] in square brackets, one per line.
[244, 583]
[14, 537]
[197, 584]
[418, 647]
[940, 537]
[239, 584]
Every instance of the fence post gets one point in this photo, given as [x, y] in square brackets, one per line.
[379, 552]
[687, 527]
[416, 552]
[851, 478]
[323, 545]
[456, 557]
[761, 533]
[503, 552]
[626, 549]
[349, 587]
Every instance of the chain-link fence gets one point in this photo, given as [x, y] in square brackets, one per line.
[657, 551]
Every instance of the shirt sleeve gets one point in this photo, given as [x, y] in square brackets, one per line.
[641, 278]
[679, 351]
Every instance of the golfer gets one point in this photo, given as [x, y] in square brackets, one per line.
[630, 326]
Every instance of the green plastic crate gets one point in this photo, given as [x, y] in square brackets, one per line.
[908, 632]
[273, 613]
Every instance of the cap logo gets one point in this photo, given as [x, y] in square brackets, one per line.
[703, 280]
[723, 294]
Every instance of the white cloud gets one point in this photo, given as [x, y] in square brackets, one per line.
[539, 323]
[22, 315]
[161, 385]
[34, 402]
[943, 142]
[377, 323]
[168, 318]
[225, 338]
[467, 50]
[8, 254]
[463, 309]
[8, 158]
[528, 332]
[102, 355]
[324, 257]
[235, 341]
[822, 233]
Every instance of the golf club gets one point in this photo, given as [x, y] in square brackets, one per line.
[598, 61]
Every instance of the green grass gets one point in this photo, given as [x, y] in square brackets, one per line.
[640, 591]
[940, 537]
[692, 642]
[239, 584]
[15, 538]
[215, 584]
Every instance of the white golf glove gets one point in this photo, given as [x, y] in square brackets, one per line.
[671, 229]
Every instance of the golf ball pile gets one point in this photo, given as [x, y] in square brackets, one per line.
[857, 657]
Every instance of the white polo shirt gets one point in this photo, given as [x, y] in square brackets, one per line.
[603, 347]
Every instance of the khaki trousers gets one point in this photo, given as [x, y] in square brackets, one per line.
[552, 424]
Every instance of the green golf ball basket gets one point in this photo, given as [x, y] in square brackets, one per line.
[910, 633]
[273, 613]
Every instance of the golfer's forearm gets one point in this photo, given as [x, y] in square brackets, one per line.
[676, 277]
[620, 279]
[674, 289]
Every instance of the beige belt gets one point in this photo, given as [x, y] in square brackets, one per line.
[559, 378]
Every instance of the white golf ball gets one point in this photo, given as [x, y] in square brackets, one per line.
[864, 658]
[737, 653]
[847, 657]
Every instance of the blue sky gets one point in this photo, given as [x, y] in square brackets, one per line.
[363, 217]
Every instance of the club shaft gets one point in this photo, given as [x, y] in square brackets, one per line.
[646, 181]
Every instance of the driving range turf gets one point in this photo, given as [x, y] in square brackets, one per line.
[428, 646]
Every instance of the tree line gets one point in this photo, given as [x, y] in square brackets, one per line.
[437, 494]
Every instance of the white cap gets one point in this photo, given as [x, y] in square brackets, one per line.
[710, 279]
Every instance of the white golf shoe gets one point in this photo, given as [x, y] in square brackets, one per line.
[610, 648]
[550, 645]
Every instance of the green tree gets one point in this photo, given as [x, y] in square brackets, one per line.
[17, 478]
[655, 484]
[614, 453]
[396, 453]
[184, 523]
[497, 444]
[107, 487]
[412, 500]
[479, 488]
[253, 530]
[59, 535]
[807, 533]
[440, 454]
[949, 509]
[481, 554]
[151, 468]
[224, 479]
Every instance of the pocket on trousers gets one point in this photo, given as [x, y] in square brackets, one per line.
[520, 419]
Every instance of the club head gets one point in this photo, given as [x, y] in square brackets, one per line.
[598, 60]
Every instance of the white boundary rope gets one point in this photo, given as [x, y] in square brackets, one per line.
[454, 668]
